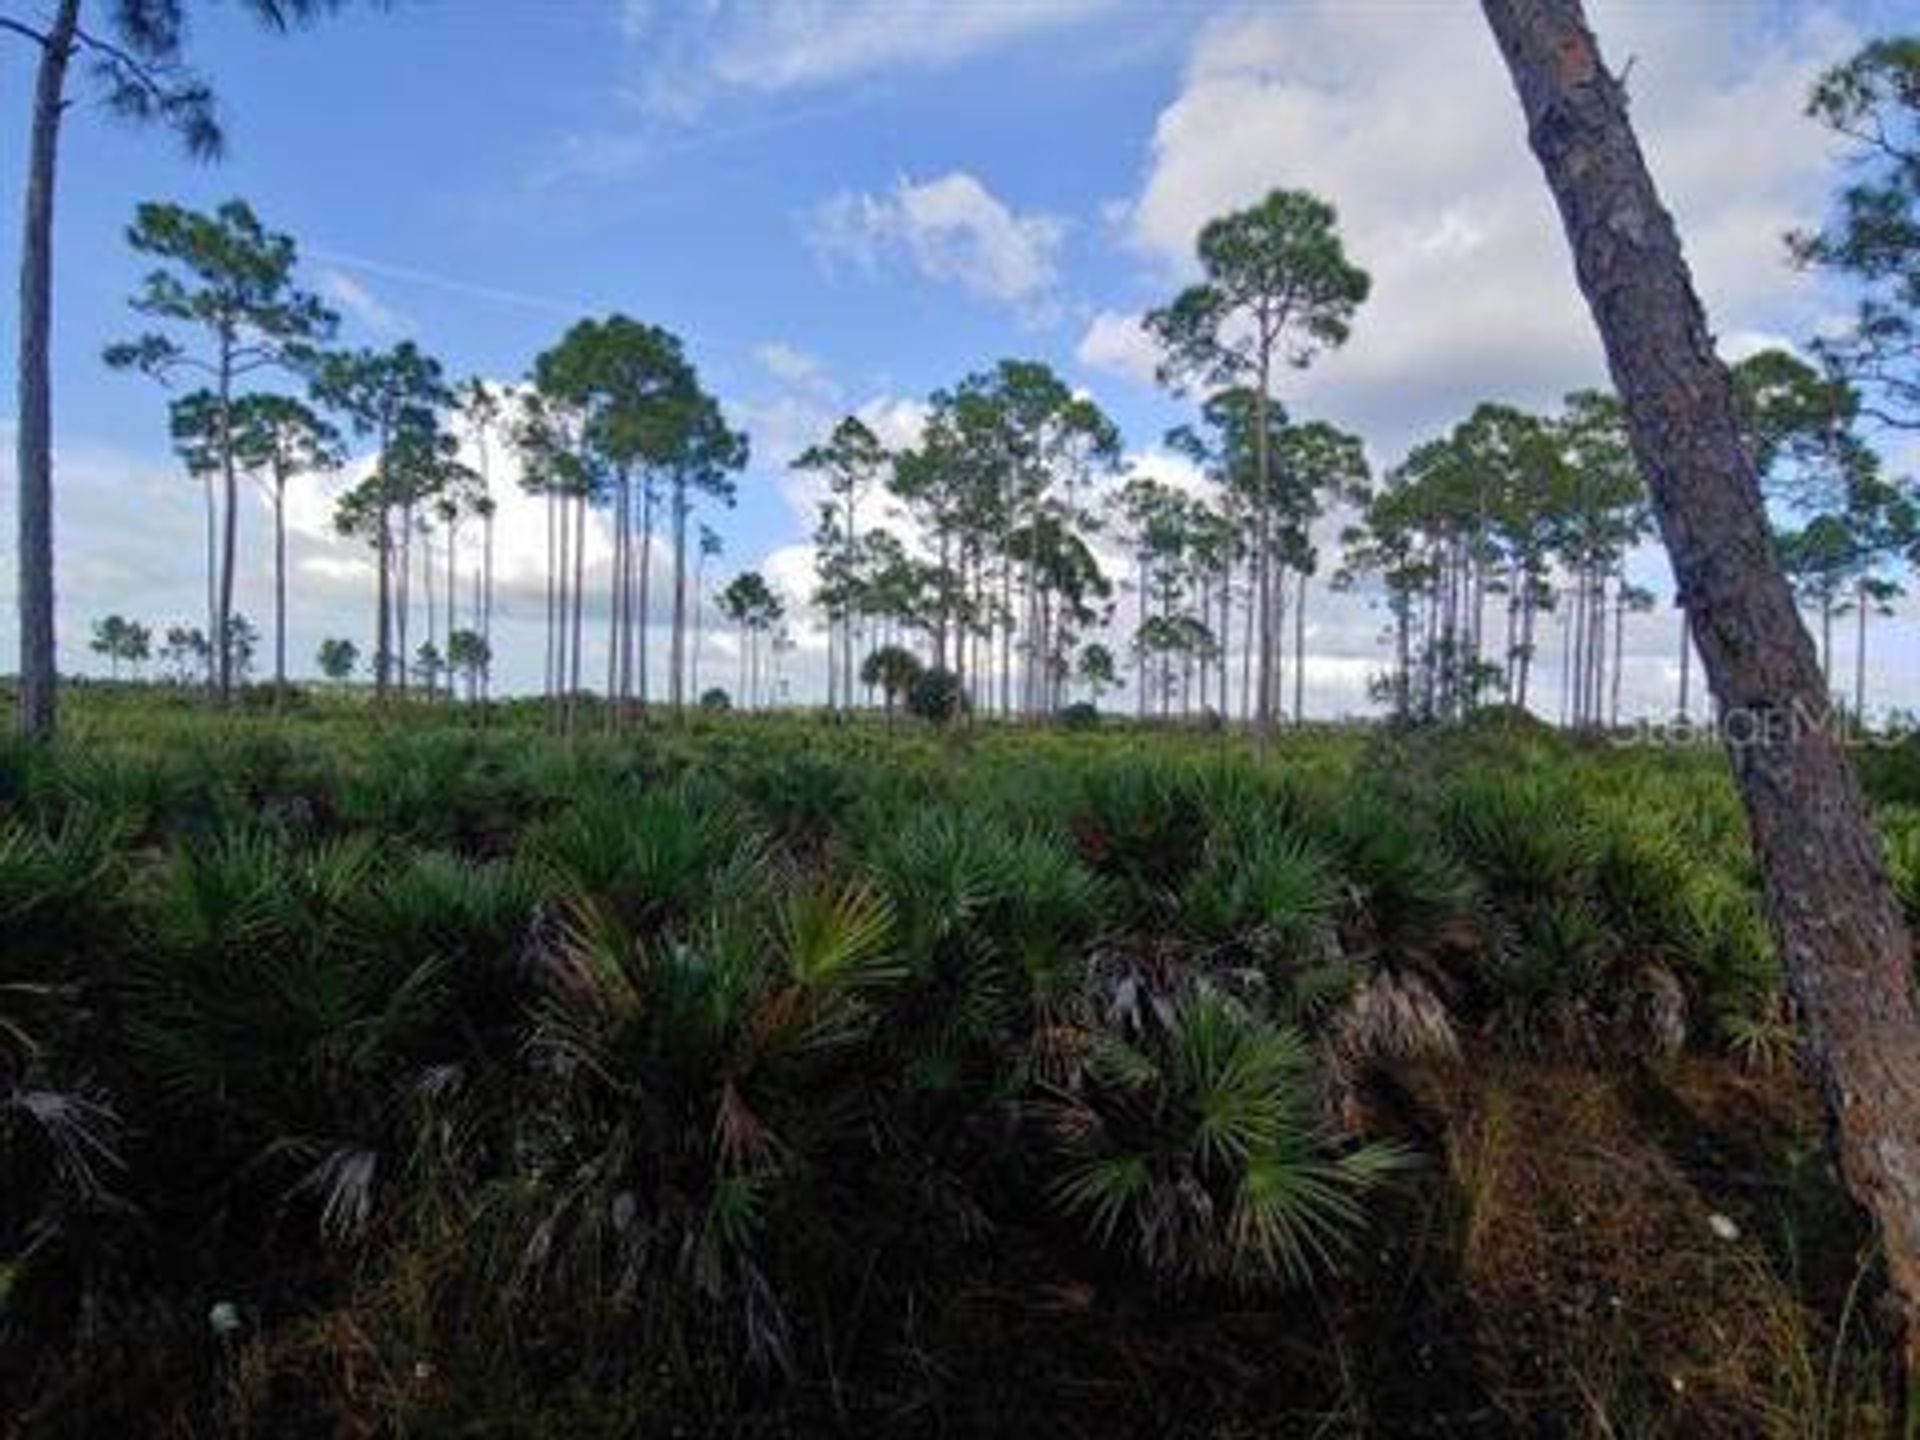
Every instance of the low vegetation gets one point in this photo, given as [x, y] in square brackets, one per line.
[765, 1075]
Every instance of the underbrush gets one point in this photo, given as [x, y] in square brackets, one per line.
[765, 1076]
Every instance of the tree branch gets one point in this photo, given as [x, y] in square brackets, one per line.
[19, 28]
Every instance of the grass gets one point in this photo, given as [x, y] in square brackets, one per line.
[761, 1075]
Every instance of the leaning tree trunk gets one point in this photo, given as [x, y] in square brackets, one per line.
[1845, 947]
[38, 669]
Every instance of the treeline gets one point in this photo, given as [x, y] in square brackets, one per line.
[1009, 548]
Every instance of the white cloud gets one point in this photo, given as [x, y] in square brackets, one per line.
[753, 46]
[794, 366]
[1412, 131]
[952, 229]
[350, 295]
[1116, 343]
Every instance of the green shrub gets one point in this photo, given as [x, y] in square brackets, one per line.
[1192, 1147]
[937, 696]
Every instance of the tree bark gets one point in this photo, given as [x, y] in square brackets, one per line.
[677, 652]
[1300, 652]
[39, 673]
[1686, 665]
[229, 523]
[1860, 602]
[279, 587]
[1843, 942]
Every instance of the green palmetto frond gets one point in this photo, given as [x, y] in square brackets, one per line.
[1273, 892]
[1195, 1146]
[940, 870]
[1238, 1080]
[1296, 1214]
[1412, 892]
[1521, 834]
[661, 858]
[56, 885]
[1900, 829]
[839, 939]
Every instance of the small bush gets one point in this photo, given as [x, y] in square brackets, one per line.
[937, 697]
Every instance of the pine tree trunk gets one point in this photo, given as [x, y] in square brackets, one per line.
[383, 597]
[213, 574]
[579, 603]
[1686, 665]
[229, 523]
[676, 679]
[1842, 939]
[279, 586]
[1860, 603]
[403, 600]
[1263, 541]
[453, 580]
[646, 583]
[1300, 652]
[39, 673]
[617, 592]
[486, 607]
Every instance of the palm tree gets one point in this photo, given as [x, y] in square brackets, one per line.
[892, 669]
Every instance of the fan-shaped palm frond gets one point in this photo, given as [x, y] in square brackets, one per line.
[1194, 1145]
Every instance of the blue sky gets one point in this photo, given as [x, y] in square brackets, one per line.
[843, 205]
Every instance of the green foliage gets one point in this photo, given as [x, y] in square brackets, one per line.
[709, 1060]
[1081, 715]
[937, 696]
[1191, 1145]
[59, 888]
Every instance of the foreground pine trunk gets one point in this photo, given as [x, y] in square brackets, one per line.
[1842, 939]
[38, 674]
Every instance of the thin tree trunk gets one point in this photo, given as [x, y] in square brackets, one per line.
[486, 606]
[1860, 603]
[699, 605]
[553, 571]
[1619, 654]
[579, 602]
[426, 570]
[279, 586]
[404, 600]
[1263, 542]
[646, 581]
[1686, 664]
[229, 521]
[383, 594]
[213, 576]
[676, 681]
[1844, 945]
[1300, 652]
[453, 579]
[39, 674]
[1226, 635]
